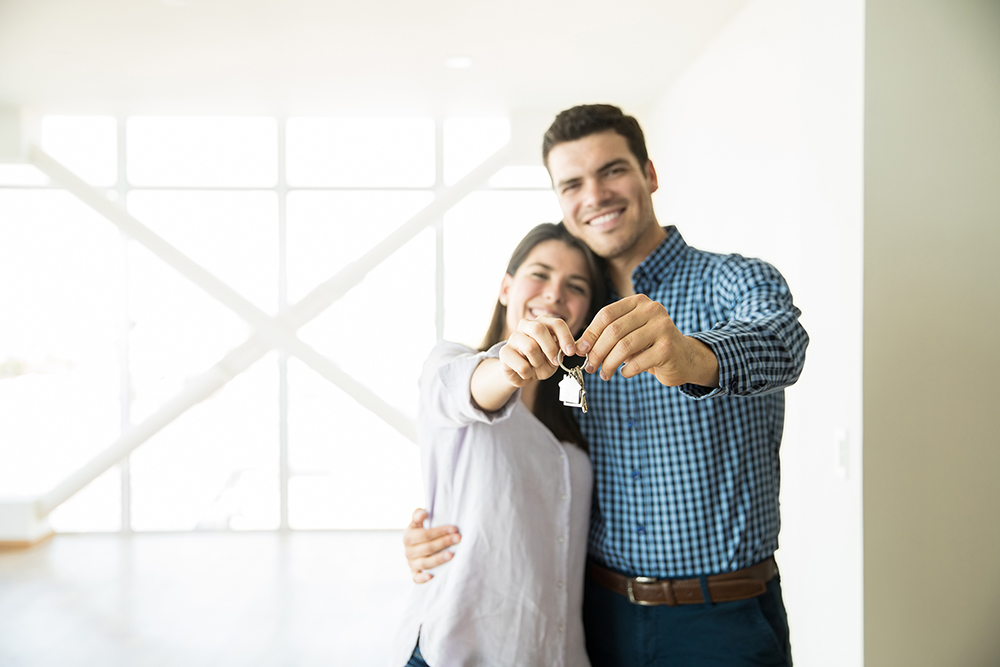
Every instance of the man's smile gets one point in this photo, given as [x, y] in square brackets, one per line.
[605, 220]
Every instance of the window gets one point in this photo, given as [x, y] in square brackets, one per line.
[100, 333]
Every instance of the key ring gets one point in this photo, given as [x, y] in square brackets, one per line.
[562, 356]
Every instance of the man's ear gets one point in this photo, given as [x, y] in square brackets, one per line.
[651, 177]
[505, 289]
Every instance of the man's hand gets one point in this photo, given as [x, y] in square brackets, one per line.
[638, 333]
[425, 547]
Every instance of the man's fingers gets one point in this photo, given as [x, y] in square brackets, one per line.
[430, 562]
[417, 520]
[414, 535]
[619, 341]
[428, 555]
[426, 547]
[424, 541]
[647, 360]
[635, 343]
[605, 316]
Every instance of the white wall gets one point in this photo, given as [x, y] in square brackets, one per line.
[931, 322]
[758, 149]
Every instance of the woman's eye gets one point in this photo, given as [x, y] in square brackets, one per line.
[540, 276]
[578, 289]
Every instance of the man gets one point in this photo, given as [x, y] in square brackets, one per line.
[684, 429]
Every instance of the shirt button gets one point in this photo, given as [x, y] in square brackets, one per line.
[561, 539]
[636, 474]
[559, 584]
[561, 628]
[630, 422]
[563, 496]
[562, 457]
[641, 530]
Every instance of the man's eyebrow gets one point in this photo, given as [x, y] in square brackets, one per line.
[613, 163]
[567, 181]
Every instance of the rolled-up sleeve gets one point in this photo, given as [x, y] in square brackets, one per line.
[445, 387]
[758, 341]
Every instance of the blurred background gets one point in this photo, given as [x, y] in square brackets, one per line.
[175, 173]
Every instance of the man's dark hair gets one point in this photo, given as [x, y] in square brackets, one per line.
[587, 119]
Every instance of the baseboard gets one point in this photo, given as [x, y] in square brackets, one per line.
[13, 545]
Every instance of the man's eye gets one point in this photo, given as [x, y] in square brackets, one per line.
[570, 186]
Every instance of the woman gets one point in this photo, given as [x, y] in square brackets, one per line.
[504, 460]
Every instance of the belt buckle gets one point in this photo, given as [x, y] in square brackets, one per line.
[631, 596]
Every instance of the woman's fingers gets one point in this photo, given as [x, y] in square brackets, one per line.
[523, 356]
[563, 336]
[532, 352]
[517, 367]
[542, 332]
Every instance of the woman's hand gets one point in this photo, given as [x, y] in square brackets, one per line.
[532, 352]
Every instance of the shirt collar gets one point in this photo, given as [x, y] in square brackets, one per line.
[659, 264]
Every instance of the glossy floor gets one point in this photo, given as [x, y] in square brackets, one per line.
[200, 599]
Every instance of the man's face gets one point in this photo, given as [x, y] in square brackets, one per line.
[604, 193]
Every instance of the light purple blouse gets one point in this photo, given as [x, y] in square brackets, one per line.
[513, 593]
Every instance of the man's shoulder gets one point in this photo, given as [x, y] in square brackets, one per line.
[727, 265]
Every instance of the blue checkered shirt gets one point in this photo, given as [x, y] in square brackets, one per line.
[686, 478]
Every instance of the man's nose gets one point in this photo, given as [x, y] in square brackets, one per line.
[594, 192]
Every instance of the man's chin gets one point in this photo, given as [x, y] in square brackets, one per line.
[606, 245]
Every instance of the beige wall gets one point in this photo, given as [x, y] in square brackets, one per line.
[931, 330]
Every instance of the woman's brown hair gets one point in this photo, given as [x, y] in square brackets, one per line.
[548, 408]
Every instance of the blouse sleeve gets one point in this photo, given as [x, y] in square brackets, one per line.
[445, 387]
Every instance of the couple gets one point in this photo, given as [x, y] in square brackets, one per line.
[671, 563]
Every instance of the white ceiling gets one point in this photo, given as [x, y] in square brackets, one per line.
[311, 56]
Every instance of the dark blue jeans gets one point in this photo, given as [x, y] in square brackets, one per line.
[747, 633]
[416, 660]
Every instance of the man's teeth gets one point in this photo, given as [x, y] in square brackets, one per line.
[607, 217]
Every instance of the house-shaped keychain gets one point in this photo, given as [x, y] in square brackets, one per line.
[571, 392]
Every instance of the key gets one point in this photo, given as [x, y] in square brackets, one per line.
[571, 390]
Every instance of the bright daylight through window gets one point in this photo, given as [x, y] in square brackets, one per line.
[99, 333]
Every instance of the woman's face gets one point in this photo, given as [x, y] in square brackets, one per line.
[553, 280]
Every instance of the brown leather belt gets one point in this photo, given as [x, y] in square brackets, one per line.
[739, 585]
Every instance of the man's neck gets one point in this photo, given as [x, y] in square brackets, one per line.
[620, 268]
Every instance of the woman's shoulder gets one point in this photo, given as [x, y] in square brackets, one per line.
[448, 347]
[444, 352]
